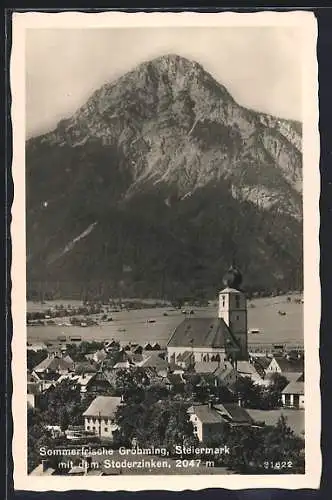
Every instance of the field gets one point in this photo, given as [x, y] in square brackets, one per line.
[133, 325]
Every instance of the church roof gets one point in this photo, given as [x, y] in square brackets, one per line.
[203, 332]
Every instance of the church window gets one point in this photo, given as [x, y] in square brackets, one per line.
[237, 317]
[223, 300]
[237, 301]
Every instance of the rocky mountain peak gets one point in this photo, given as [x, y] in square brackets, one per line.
[166, 134]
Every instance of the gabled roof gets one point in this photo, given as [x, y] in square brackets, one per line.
[234, 413]
[294, 388]
[47, 376]
[203, 332]
[103, 406]
[206, 414]
[246, 368]
[153, 360]
[290, 365]
[263, 361]
[53, 363]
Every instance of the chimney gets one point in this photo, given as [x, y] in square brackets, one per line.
[210, 404]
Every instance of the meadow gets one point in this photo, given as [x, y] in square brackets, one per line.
[134, 326]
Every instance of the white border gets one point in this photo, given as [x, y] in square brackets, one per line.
[311, 191]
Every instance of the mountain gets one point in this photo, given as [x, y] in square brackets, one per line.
[157, 184]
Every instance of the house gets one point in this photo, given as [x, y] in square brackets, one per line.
[292, 369]
[97, 356]
[234, 414]
[155, 362]
[292, 395]
[46, 379]
[261, 363]
[225, 376]
[248, 369]
[219, 338]
[100, 416]
[33, 391]
[207, 422]
[99, 382]
[56, 364]
[210, 420]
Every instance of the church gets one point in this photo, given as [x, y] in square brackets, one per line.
[215, 339]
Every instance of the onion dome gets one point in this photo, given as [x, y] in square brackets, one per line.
[233, 278]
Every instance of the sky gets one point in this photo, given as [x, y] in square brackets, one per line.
[260, 66]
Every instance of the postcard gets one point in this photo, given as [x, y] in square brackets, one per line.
[165, 251]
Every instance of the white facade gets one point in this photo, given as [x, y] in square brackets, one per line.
[31, 399]
[233, 310]
[293, 400]
[200, 354]
[101, 426]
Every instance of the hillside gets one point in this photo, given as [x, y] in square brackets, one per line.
[157, 183]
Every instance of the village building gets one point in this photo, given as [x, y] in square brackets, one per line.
[56, 364]
[226, 376]
[249, 370]
[33, 392]
[46, 379]
[292, 395]
[210, 420]
[292, 369]
[99, 356]
[219, 339]
[99, 418]
[154, 362]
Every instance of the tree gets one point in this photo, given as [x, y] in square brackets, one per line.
[35, 357]
[131, 383]
[263, 450]
[249, 393]
[271, 396]
[64, 419]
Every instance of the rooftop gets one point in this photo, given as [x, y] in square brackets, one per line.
[203, 332]
[294, 388]
[206, 414]
[290, 365]
[53, 363]
[234, 413]
[103, 406]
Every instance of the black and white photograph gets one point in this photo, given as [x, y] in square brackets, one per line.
[165, 252]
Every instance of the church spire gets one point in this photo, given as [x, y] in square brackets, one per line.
[233, 277]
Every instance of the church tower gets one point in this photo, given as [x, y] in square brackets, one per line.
[233, 309]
